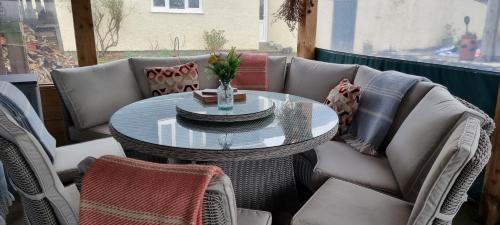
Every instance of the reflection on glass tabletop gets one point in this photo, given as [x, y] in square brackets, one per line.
[155, 121]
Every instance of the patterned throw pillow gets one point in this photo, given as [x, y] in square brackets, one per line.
[344, 99]
[176, 79]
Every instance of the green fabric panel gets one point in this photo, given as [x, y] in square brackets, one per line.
[476, 86]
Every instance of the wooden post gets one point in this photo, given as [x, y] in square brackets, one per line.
[84, 32]
[491, 29]
[490, 200]
[306, 42]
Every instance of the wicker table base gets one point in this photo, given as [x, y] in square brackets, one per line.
[266, 184]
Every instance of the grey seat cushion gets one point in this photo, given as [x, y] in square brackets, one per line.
[89, 134]
[253, 217]
[275, 69]
[314, 79]
[92, 94]
[344, 203]
[421, 134]
[68, 157]
[458, 150]
[339, 160]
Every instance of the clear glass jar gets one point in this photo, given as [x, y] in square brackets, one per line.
[225, 96]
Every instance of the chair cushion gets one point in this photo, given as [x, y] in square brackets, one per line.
[276, 69]
[89, 134]
[68, 157]
[253, 217]
[421, 134]
[314, 79]
[458, 150]
[411, 99]
[364, 75]
[93, 93]
[341, 161]
[341, 202]
[175, 79]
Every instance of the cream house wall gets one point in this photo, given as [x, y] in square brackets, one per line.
[278, 31]
[403, 24]
[325, 21]
[413, 24]
[143, 28]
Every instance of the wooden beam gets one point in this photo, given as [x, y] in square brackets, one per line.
[490, 31]
[84, 32]
[306, 42]
[490, 200]
[53, 114]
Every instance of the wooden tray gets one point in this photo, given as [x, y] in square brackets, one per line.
[208, 96]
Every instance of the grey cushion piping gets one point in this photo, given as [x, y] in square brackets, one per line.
[378, 189]
[415, 188]
[61, 88]
[461, 144]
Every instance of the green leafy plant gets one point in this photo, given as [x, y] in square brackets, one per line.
[214, 40]
[108, 17]
[224, 67]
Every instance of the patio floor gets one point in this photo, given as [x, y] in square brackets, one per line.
[466, 216]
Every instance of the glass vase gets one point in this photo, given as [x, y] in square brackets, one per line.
[225, 96]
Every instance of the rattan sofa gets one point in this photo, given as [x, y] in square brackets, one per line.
[435, 149]
[47, 201]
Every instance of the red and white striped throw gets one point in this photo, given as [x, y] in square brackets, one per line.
[118, 190]
[252, 73]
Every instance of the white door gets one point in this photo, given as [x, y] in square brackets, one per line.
[263, 20]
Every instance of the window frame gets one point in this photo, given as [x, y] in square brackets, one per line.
[167, 9]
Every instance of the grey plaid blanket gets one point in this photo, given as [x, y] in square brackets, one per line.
[377, 107]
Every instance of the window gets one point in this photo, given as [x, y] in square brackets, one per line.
[177, 6]
[457, 33]
[249, 26]
[31, 38]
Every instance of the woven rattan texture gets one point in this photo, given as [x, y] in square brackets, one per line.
[261, 184]
[458, 192]
[36, 211]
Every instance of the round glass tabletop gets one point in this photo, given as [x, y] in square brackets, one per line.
[154, 121]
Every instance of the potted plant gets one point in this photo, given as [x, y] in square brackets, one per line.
[224, 68]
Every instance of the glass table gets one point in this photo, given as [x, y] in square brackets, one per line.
[256, 155]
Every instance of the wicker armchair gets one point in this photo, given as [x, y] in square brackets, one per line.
[47, 201]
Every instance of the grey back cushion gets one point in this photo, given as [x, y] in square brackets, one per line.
[410, 152]
[458, 150]
[412, 97]
[93, 93]
[275, 71]
[314, 79]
